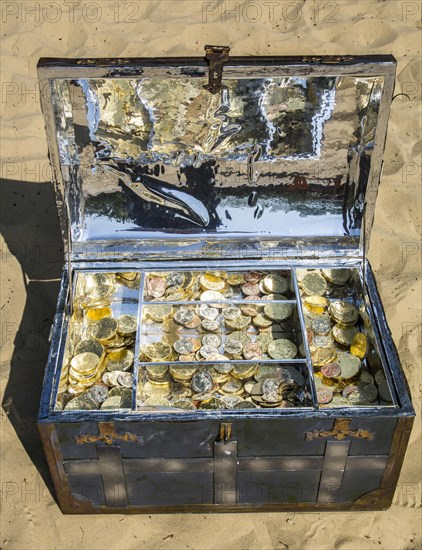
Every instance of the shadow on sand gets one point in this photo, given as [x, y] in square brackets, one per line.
[30, 227]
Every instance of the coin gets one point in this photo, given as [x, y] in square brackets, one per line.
[82, 402]
[156, 401]
[182, 403]
[85, 362]
[208, 312]
[240, 323]
[169, 325]
[245, 405]
[344, 313]
[243, 371]
[157, 388]
[207, 351]
[181, 391]
[252, 350]
[126, 325]
[350, 365]
[213, 403]
[314, 284]
[337, 276]
[250, 289]
[261, 321]
[232, 386]
[359, 345]
[275, 283]
[224, 368]
[282, 349]
[202, 382]
[324, 395]
[175, 279]
[184, 315]
[270, 385]
[91, 346]
[156, 286]
[208, 281]
[344, 335]
[231, 313]
[157, 372]
[183, 345]
[125, 379]
[95, 314]
[119, 360]
[115, 402]
[211, 340]
[321, 325]
[368, 391]
[157, 351]
[98, 392]
[182, 374]
[104, 329]
[195, 323]
[159, 312]
[331, 370]
[235, 279]
[379, 376]
[212, 326]
[249, 310]
[323, 356]
[263, 339]
[278, 312]
[233, 347]
[252, 276]
[365, 376]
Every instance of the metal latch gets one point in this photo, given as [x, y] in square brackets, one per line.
[216, 57]
[225, 431]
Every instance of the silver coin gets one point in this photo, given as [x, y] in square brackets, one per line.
[212, 340]
[201, 382]
[125, 379]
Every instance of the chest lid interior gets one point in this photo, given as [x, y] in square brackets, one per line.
[283, 160]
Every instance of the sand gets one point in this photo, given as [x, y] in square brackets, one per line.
[32, 256]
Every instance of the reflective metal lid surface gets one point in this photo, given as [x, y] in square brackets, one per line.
[147, 160]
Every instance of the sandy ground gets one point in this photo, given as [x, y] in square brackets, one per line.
[32, 256]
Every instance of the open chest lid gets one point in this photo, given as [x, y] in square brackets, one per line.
[244, 156]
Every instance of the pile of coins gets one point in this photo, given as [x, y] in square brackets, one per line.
[216, 286]
[336, 345]
[100, 347]
[222, 386]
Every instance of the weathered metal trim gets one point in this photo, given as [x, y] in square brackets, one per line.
[383, 497]
[335, 459]
[106, 433]
[225, 455]
[340, 430]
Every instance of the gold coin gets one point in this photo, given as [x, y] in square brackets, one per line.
[261, 321]
[169, 325]
[184, 373]
[244, 371]
[157, 372]
[235, 279]
[344, 313]
[282, 349]
[157, 351]
[209, 281]
[126, 325]
[278, 312]
[344, 335]
[84, 362]
[121, 360]
[338, 276]
[359, 345]
[95, 314]
[240, 323]
[156, 401]
[90, 345]
[159, 312]
[275, 283]
[323, 356]
[104, 329]
[314, 284]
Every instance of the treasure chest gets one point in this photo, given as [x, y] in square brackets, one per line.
[219, 342]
